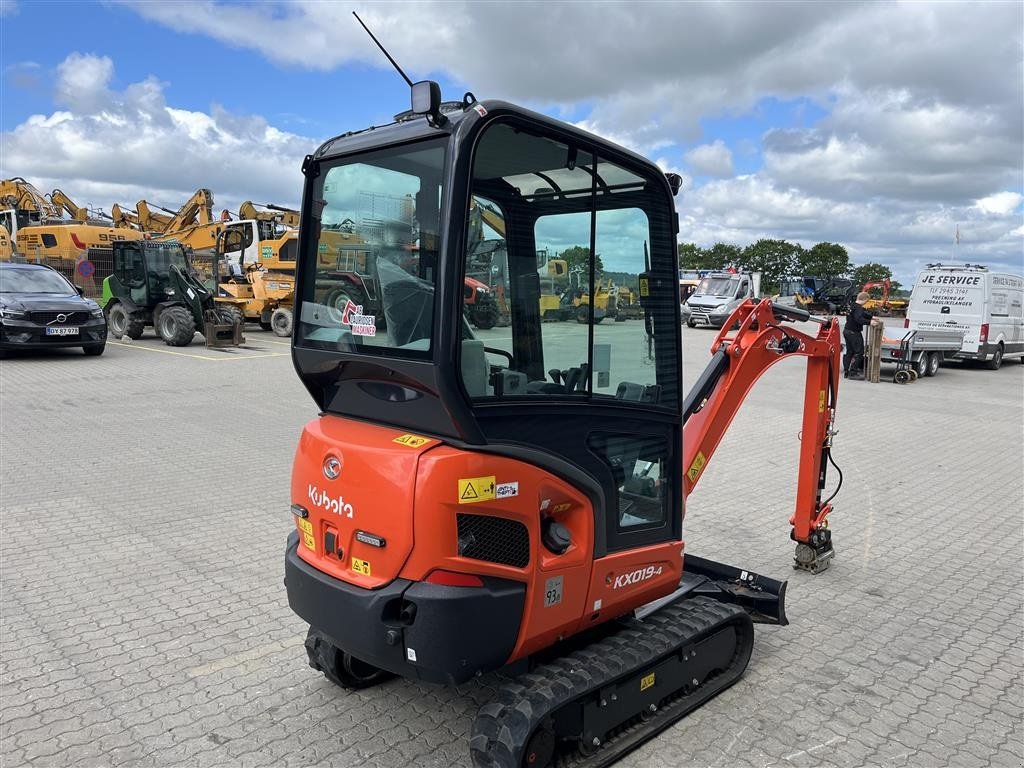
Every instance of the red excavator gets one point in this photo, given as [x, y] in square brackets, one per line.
[516, 504]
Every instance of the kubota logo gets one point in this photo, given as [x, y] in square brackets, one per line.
[635, 577]
[323, 500]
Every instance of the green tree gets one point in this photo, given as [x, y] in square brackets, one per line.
[872, 272]
[692, 256]
[722, 255]
[578, 259]
[774, 259]
[827, 260]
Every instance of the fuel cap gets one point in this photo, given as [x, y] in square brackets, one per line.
[555, 536]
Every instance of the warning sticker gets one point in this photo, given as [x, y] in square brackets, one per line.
[412, 441]
[361, 566]
[474, 489]
[645, 287]
[695, 468]
[561, 507]
[646, 681]
[361, 325]
[821, 401]
[306, 529]
[507, 490]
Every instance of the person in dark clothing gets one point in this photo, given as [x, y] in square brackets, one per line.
[853, 334]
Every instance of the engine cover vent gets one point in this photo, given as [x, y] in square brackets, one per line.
[494, 540]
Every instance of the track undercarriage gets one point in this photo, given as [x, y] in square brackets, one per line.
[590, 705]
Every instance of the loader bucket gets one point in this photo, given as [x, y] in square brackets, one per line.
[223, 335]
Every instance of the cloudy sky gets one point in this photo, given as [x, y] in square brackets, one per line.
[882, 126]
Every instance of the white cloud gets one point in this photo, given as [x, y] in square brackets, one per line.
[1001, 203]
[713, 159]
[121, 146]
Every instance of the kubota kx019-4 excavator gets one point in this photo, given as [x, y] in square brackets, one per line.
[462, 508]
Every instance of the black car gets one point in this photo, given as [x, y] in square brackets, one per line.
[40, 309]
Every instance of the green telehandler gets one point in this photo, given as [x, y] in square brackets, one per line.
[154, 284]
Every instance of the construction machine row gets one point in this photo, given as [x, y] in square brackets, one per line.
[246, 260]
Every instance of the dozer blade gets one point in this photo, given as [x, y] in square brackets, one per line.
[591, 707]
[223, 335]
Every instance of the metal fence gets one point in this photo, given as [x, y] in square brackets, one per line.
[86, 270]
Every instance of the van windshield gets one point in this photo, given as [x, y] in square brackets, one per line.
[718, 286]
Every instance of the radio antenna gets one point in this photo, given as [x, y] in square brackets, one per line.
[383, 50]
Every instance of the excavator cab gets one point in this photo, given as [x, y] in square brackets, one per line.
[470, 500]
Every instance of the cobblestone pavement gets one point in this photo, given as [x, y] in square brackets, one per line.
[145, 503]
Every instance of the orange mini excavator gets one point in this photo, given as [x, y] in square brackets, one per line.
[512, 499]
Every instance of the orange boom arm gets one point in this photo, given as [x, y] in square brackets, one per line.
[739, 358]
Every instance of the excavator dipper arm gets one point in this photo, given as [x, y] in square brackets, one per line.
[738, 359]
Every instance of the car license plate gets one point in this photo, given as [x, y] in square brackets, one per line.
[62, 331]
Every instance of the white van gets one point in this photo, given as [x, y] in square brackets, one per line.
[985, 305]
[717, 295]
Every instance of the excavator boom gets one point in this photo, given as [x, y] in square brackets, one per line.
[287, 216]
[738, 360]
[21, 195]
[64, 203]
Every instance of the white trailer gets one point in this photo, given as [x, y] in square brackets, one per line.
[920, 351]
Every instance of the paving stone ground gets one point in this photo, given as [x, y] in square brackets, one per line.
[143, 621]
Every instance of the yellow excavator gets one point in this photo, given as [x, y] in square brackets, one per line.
[79, 247]
[124, 218]
[64, 203]
[5, 245]
[150, 220]
[287, 216]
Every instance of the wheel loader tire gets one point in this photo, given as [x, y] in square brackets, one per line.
[337, 298]
[266, 325]
[583, 314]
[120, 322]
[342, 669]
[231, 314]
[176, 326]
[485, 317]
[281, 322]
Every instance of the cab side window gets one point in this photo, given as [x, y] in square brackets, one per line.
[574, 304]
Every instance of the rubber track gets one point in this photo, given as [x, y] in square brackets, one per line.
[503, 726]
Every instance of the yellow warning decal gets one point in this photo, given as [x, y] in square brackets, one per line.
[821, 401]
[561, 507]
[361, 566]
[646, 681]
[306, 529]
[412, 441]
[645, 287]
[474, 489]
[695, 469]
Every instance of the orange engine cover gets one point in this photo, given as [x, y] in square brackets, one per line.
[402, 506]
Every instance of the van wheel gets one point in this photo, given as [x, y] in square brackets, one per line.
[933, 364]
[691, 324]
[997, 359]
